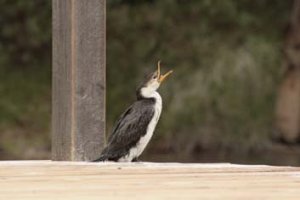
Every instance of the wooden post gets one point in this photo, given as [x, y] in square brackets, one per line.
[79, 85]
[287, 115]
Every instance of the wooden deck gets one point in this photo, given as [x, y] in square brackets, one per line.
[69, 180]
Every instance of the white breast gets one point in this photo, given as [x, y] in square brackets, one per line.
[141, 145]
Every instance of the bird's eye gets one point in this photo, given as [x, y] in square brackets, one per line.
[155, 77]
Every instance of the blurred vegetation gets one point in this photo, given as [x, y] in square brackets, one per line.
[226, 56]
[25, 78]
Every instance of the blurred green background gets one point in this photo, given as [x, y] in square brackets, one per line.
[218, 103]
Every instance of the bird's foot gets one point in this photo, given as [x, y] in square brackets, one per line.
[136, 160]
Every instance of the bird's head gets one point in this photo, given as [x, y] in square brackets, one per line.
[152, 82]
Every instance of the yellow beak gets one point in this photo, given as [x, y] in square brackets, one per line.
[161, 78]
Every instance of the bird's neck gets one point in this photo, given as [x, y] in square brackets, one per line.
[148, 93]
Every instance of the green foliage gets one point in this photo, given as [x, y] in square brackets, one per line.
[225, 56]
[25, 71]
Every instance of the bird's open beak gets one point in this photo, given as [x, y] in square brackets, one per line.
[161, 78]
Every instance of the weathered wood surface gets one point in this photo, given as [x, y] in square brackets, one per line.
[69, 180]
[78, 103]
[287, 113]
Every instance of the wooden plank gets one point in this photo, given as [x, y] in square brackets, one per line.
[78, 103]
[68, 180]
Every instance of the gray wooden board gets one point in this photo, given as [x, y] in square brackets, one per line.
[79, 81]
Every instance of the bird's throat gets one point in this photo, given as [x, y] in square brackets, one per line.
[146, 92]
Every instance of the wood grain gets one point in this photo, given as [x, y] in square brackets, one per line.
[78, 90]
[68, 180]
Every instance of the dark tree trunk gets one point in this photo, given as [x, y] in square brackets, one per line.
[287, 119]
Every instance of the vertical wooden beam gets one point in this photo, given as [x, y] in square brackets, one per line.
[287, 112]
[78, 78]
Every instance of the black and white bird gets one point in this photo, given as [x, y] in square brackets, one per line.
[134, 128]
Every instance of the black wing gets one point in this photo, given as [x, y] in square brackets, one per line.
[127, 131]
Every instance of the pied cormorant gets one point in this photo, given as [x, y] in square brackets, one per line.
[135, 127]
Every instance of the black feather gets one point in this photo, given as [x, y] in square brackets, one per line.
[128, 130]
